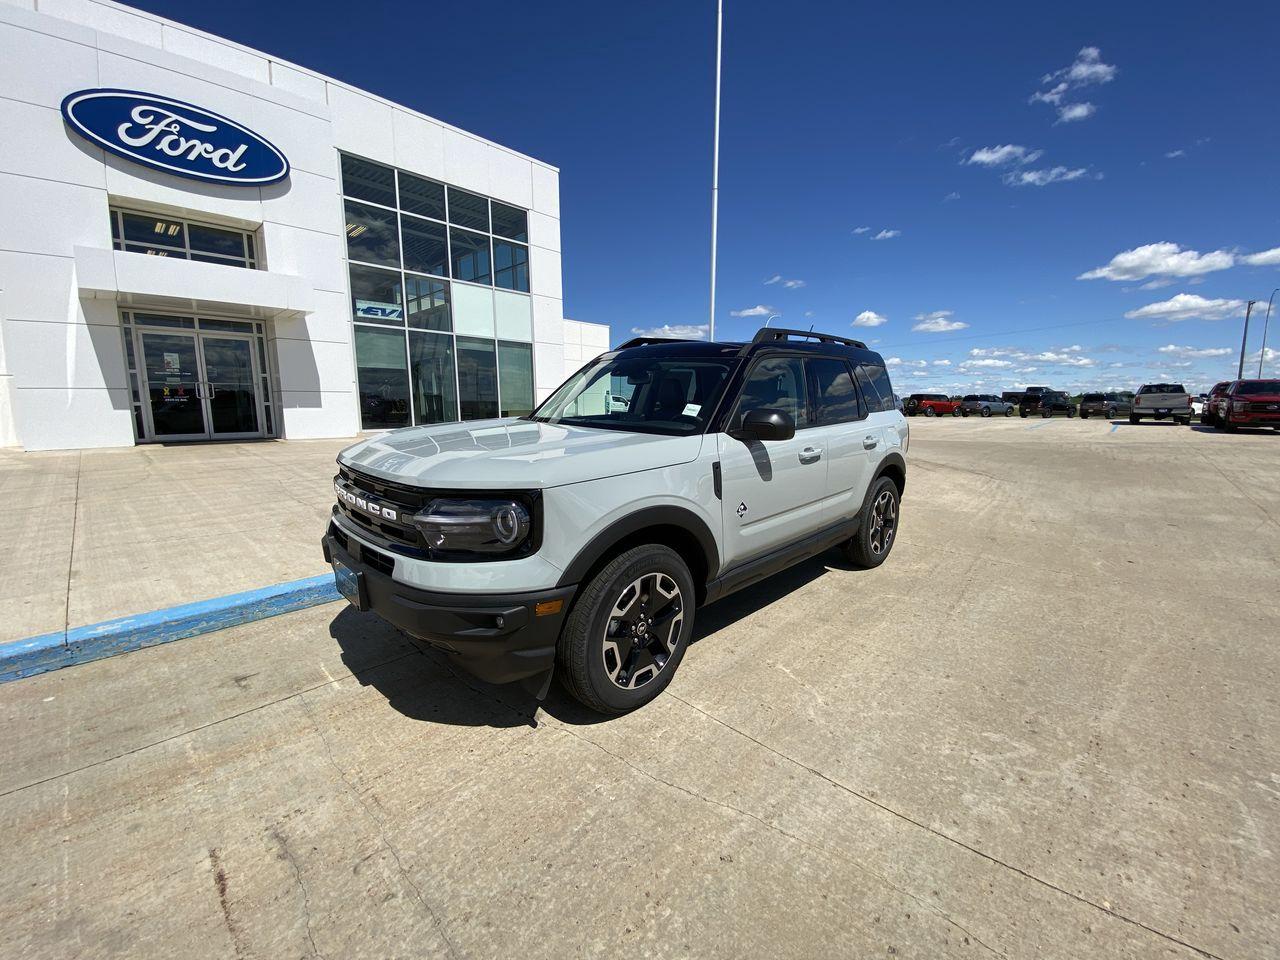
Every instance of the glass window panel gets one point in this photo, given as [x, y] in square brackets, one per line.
[435, 387]
[230, 326]
[383, 375]
[776, 383]
[128, 348]
[140, 228]
[226, 243]
[877, 387]
[368, 181]
[427, 303]
[468, 209]
[515, 371]
[472, 309]
[375, 295]
[213, 258]
[510, 265]
[477, 379]
[155, 251]
[510, 222]
[513, 319]
[372, 235]
[834, 398]
[425, 249]
[421, 196]
[248, 245]
[158, 320]
[115, 225]
[470, 256]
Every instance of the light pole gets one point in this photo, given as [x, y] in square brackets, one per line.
[1245, 339]
[1262, 354]
[715, 171]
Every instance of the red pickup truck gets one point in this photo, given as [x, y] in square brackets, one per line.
[1247, 403]
[931, 405]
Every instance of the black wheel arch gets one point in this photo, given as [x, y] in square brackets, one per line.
[894, 467]
[676, 527]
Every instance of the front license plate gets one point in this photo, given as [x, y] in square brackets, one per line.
[350, 584]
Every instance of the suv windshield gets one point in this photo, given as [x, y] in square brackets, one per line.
[667, 395]
[1258, 386]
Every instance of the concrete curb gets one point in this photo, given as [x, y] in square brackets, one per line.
[52, 651]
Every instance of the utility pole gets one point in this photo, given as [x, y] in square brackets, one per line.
[1262, 353]
[1247, 310]
[715, 171]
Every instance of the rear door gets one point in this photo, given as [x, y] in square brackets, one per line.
[773, 490]
[851, 442]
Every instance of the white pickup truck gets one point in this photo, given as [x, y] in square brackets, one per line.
[1160, 401]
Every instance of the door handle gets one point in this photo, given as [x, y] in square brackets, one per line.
[870, 442]
[200, 390]
[810, 455]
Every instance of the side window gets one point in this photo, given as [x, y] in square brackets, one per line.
[873, 379]
[776, 383]
[834, 399]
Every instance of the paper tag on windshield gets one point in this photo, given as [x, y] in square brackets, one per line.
[691, 409]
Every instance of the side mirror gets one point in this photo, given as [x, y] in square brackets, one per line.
[767, 424]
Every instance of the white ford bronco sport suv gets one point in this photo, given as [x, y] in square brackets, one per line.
[661, 476]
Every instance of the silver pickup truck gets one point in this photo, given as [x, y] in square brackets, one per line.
[1161, 401]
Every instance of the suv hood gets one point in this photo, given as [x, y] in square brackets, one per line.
[512, 453]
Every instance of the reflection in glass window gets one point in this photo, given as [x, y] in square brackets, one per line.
[427, 303]
[776, 383]
[226, 243]
[510, 222]
[372, 235]
[510, 265]
[470, 256]
[515, 372]
[435, 389]
[383, 377]
[154, 231]
[477, 378]
[368, 181]
[468, 209]
[425, 197]
[425, 247]
[836, 400]
[375, 295]
[877, 387]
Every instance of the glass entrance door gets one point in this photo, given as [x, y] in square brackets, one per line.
[171, 364]
[231, 386]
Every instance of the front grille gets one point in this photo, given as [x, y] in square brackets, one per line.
[1271, 407]
[404, 500]
[373, 558]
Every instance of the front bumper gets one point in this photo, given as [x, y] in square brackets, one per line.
[1254, 418]
[499, 638]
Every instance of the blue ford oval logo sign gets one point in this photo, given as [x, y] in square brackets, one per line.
[176, 137]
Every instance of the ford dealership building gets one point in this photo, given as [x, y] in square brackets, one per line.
[203, 242]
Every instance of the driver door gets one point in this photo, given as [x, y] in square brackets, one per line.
[773, 490]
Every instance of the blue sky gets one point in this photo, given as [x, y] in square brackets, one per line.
[998, 157]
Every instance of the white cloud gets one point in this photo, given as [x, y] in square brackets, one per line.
[789, 284]
[1069, 113]
[1163, 259]
[1041, 178]
[1087, 69]
[951, 196]
[986, 364]
[937, 322]
[861, 229]
[808, 313]
[887, 234]
[1173, 349]
[942, 363]
[869, 318]
[893, 362]
[1053, 95]
[1188, 306]
[1174, 154]
[1267, 258]
[677, 331]
[1004, 154]
[759, 310]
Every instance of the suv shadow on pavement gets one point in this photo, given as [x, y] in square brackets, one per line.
[420, 683]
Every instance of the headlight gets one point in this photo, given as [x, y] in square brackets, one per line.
[473, 526]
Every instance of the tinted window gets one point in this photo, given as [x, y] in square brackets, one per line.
[470, 256]
[421, 196]
[372, 235]
[375, 295]
[477, 378]
[427, 303]
[425, 249]
[1162, 388]
[835, 400]
[515, 378]
[1092, 398]
[1258, 386]
[435, 390]
[384, 378]
[510, 222]
[368, 181]
[776, 383]
[510, 265]
[875, 376]
[468, 209]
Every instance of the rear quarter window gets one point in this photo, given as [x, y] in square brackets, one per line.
[877, 391]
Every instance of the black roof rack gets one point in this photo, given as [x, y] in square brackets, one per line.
[769, 334]
[645, 341]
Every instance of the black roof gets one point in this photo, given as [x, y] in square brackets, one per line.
[803, 341]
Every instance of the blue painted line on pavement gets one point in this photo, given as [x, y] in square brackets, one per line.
[51, 651]
[1114, 428]
[1037, 426]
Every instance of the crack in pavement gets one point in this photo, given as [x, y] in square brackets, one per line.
[279, 838]
[436, 921]
[905, 818]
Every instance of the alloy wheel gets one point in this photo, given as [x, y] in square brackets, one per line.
[643, 630]
[884, 522]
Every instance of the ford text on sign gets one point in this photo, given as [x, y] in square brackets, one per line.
[173, 136]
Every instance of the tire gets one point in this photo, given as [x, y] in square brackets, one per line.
[1133, 419]
[964, 413]
[1184, 421]
[930, 412]
[872, 543]
[1022, 414]
[1071, 412]
[1228, 426]
[595, 669]
[955, 412]
[1008, 411]
[1046, 415]
[1084, 415]
[986, 411]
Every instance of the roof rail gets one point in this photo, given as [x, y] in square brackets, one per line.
[645, 341]
[769, 334]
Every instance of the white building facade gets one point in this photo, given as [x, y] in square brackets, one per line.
[203, 242]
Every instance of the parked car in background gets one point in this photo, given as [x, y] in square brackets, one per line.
[1248, 403]
[1209, 413]
[984, 405]
[1109, 405]
[1047, 403]
[1011, 396]
[897, 403]
[1161, 401]
[1197, 404]
[931, 405]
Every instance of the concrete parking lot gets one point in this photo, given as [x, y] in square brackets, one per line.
[1048, 726]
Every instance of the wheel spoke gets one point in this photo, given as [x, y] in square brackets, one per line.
[643, 630]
